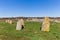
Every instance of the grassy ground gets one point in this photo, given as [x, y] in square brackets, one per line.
[31, 31]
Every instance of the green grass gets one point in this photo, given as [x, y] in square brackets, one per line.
[31, 31]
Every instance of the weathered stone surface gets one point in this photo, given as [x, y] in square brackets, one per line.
[20, 23]
[9, 21]
[46, 24]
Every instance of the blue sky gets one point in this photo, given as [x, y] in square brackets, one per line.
[29, 8]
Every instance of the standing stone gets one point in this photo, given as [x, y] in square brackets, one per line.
[9, 21]
[20, 24]
[46, 24]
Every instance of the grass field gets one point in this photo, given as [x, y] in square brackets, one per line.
[31, 31]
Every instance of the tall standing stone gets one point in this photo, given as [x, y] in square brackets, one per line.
[20, 24]
[46, 24]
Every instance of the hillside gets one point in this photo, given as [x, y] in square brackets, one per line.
[31, 31]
